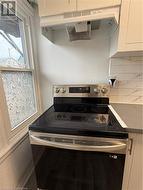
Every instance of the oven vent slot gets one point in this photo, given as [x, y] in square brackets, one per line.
[77, 14]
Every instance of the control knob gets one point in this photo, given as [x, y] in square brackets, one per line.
[57, 90]
[104, 90]
[62, 90]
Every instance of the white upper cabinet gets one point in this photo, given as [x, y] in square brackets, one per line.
[55, 7]
[131, 26]
[96, 4]
[129, 38]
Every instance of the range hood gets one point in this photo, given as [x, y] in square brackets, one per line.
[79, 24]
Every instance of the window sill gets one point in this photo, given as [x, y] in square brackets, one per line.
[7, 150]
[15, 141]
[22, 127]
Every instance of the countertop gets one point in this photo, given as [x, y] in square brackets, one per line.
[130, 116]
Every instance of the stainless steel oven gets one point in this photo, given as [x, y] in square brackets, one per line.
[78, 144]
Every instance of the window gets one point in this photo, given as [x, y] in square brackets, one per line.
[20, 95]
[17, 73]
[12, 46]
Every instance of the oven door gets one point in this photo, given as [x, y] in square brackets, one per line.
[65, 162]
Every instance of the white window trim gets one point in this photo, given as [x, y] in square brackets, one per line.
[10, 136]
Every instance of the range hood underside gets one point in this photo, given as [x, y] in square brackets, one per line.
[73, 35]
[79, 25]
[74, 17]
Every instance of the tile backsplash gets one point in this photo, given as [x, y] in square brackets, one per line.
[129, 84]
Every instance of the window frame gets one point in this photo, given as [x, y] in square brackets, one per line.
[26, 14]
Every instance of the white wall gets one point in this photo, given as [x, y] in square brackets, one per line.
[16, 165]
[88, 62]
[80, 62]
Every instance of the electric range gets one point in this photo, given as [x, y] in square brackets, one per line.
[78, 142]
[80, 111]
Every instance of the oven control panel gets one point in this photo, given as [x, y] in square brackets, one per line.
[97, 90]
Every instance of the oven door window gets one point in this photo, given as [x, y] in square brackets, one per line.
[60, 169]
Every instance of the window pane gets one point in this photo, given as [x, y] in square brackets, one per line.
[20, 97]
[12, 46]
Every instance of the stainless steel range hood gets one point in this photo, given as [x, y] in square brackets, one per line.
[81, 30]
[79, 24]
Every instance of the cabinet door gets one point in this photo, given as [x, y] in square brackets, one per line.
[54, 7]
[95, 4]
[136, 173]
[133, 174]
[131, 26]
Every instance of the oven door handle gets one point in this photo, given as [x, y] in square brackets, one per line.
[116, 147]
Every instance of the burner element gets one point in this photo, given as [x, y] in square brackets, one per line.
[85, 117]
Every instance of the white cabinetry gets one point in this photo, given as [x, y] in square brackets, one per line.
[128, 39]
[133, 176]
[55, 7]
[96, 4]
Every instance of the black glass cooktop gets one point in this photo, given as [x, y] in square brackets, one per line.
[80, 118]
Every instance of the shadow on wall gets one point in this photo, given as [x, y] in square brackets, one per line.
[15, 168]
[46, 88]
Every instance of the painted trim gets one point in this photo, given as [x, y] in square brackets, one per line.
[11, 148]
[25, 7]
[12, 69]
[10, 137]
